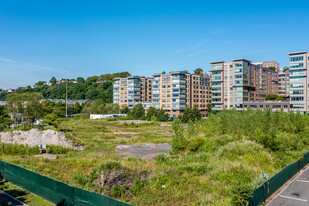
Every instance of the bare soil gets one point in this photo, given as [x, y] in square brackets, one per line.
[145, 151]
[35, 137]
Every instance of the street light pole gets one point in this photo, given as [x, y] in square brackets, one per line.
[66, 100]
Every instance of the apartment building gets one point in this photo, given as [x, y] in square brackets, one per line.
[299, 81]
[240, 81]
[268, 64]
[172, 92]
[128, 91]
[175, 91]
[284, 83]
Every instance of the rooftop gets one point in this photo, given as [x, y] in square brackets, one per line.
[236, 60]
[295, 53]
[218, 62]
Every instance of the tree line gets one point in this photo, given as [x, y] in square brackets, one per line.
[83, 89]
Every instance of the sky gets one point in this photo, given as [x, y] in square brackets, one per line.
[70, 39]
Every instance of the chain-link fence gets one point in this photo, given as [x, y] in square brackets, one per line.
[273, 184]
[53, 190]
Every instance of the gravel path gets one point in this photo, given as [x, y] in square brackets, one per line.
[145, 151]
[35, 137]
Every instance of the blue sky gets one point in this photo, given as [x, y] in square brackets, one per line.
[67, 39]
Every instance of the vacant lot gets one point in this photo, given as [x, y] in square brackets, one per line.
[214, 161]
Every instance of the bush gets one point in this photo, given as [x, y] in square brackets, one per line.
[138, 112]
[57, 149]
[241, 194]
[15, 149]
[190, 114]
[195, 143]
[179, 141]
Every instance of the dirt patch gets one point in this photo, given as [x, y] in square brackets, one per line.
[145, 151]
[49, 156]
[125, 133]
[135, 121]
[35, 137]
[165, 133]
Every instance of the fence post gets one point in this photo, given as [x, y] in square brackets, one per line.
[264, 192]
[3, 170]
[298, 165]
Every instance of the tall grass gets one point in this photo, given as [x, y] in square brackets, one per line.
[15, 149]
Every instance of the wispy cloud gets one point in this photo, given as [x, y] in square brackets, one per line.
[194, 49]
[191, 49]
[27, 65]
[194, 53]
[217, 31]
[16, 73]
[6, 60]
[179, 51]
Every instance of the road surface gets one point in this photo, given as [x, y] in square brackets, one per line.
[296, 193]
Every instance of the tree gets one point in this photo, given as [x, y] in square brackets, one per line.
[281, 98]
[28, 105]
[198, 71]
[99, 107]
[77, 108]
[51, 119]
[138, 111]
[151, 112]
[162, 116]
[92, 79]
[53, 80]
[125, 110]
[80, 80]
[5, 121]
[40, 83]
[187, 115]
[190, 114]
[272, 68]
[196, 113]
[270, 97]
[209, 109]
[286, 69]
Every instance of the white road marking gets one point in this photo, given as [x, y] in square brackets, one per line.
[287, 186]
[302, 181]
[293, 198]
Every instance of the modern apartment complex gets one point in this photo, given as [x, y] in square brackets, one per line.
[284, 83]
[238, 84]
[172, 92]
[128, 91]
[175, 91]
[299, 81]
[240, 81]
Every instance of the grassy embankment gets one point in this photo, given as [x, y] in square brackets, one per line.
[214, 161]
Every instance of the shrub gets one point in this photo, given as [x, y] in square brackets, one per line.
[15, 149]
[241, 194]
[138, 111]
[179, 141]
[57, 149]
[195, 143]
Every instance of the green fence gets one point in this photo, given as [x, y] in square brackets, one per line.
[273, 184]
[53, 190]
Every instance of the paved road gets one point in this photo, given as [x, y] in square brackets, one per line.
[4, 200]
[296, 193]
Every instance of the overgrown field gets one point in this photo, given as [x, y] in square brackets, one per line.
[213, 162]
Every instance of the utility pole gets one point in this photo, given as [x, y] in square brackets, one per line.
[66, 100]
